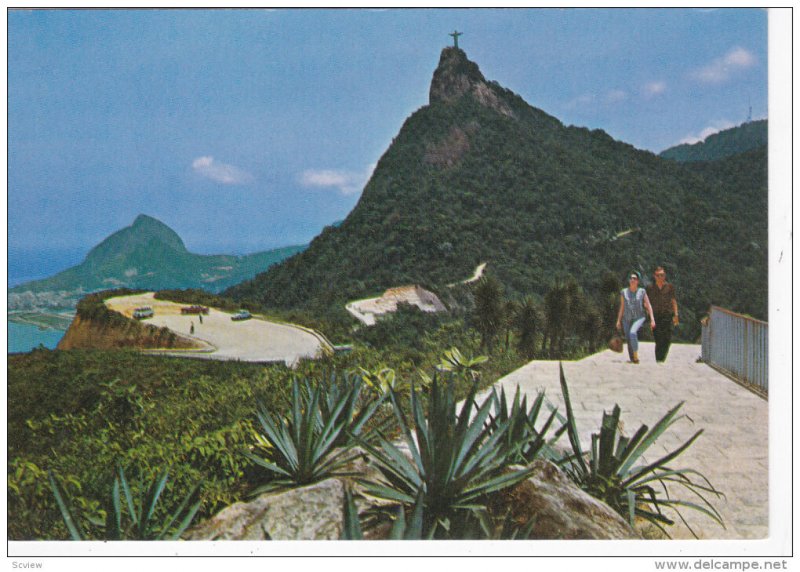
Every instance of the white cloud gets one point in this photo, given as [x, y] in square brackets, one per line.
[347, 182]
[615, 96]
[590, 99]
[654, 88]
[220, 172]
[721, 69]
[715, 127]
[580, 101]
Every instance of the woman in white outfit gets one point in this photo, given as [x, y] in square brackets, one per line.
[632, 306]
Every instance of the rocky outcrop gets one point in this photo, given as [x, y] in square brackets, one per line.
[308, 513]
[315, 512]
[457, 76]
[561, 510]
[448, 152]
[87, 333]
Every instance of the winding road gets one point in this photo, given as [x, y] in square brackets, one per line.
[254, 340]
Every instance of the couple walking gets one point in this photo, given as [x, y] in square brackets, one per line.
[658, 300]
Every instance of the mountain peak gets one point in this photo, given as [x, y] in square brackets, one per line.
[144, 233]
[143, 220]
[457, 76]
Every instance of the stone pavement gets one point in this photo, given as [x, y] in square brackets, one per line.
[732, 452]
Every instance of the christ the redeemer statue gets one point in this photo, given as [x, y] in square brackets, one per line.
[455, 35]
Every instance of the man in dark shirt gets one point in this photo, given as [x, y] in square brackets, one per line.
[665, 310]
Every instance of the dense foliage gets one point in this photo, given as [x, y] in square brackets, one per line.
[537, 200]
[745, 137]
[83, 413]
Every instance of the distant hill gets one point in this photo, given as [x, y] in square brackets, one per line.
[744, 137]
[147, 255]
[479, 175]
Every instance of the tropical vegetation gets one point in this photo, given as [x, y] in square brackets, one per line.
[539, 202]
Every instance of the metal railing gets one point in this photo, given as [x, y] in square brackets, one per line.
[738, 346]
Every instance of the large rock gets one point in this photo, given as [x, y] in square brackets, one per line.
[561, 510]
[313, 512]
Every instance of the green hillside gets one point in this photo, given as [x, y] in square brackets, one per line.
[745, 137]
[148, 255]
[478, 175]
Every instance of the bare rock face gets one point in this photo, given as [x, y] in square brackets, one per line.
[457, 76]
[86, 333]
[315, 512]
[561, 510]
[307, 513]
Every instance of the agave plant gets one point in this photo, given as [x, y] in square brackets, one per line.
[313, 441]
[358, 409]
[380, 380]
[612, 475]
[454, 361]
[522, 440]
[401, 529]
[141, 522]
[457, 458]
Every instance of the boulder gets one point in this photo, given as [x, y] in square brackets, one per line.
[561, 510]
[313, 512]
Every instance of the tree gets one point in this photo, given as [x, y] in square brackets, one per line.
[489, 310]
[526, 320]
[510, 310]
[610, 287]
[590, 326]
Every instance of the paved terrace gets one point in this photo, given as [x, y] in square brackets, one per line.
[732, 451]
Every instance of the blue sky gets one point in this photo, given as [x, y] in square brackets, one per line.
[251, 129]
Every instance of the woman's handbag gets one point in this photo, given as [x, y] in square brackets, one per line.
[615, 344]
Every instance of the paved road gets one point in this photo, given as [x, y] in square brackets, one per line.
[249, 340]
[732, 452]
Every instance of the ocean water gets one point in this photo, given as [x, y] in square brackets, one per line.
[24, 337]
[26, 264]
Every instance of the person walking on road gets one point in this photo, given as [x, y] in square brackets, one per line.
[665, 311]
[632, 307]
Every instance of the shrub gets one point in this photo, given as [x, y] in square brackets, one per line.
[457, 461]
[137, 519]
[311, 443]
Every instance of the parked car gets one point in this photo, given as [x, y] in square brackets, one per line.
[143, 313]
[241, 315]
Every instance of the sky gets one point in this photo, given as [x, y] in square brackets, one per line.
[245, 130]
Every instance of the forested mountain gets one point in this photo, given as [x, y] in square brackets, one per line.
[148, 254]
[745, 137]
[478, 175]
